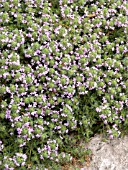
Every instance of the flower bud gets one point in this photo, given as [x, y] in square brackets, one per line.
[66, 11]
[123, 98]
[40, 87]
[26, 100]
[105, 10]
[99, 92]
[101, 84]
[118, 75]
[117, 64]
[118, 89]
[43, 136]
[36, 58]
[112, 91]
[47, 111]
[114, 83]
[45, 51]
[2, 89]
[51, 85]
[45, 154]
[43, 78]
[63, 81]
[30, 51]
[110, 73]
[14, 114]
[24, 131]
[32, 88]
[117, 105]
[104, 38]
[99, 61]
[27, 69]
[51, 101]
[82, 88]
[36, 46]
[51, 125]
[39, 111]
[79, 78]
[52, 62]
[107, 96]
[25, 119]
[40, 121]
[14, 107]
[28, 79]
[31, 99]
[51, 71]
[18, 124]
[21, 90]
[31, 109]
[108, 46]
[83, 60]
[17, 75]
[70, 89]
[59, 100]
[12, 88]
[38, 131]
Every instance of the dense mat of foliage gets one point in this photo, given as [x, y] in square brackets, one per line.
[63, 73]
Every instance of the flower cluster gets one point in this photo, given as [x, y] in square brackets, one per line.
[18, 160]
[52, 54]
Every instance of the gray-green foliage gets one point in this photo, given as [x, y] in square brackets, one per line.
[63, 72]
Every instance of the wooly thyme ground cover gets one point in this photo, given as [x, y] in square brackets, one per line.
[63, 72]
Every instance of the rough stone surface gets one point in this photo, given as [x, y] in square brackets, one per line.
[109, 154]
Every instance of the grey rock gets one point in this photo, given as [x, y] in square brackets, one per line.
[108, 155]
